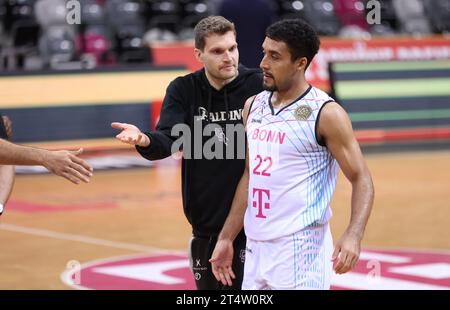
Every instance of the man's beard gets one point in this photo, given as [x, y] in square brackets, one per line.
[270, 88]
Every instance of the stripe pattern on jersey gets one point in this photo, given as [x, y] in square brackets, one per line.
[292, 176]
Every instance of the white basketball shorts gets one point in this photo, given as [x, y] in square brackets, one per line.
[300, 261]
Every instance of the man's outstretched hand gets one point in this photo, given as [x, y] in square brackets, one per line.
[130, 134]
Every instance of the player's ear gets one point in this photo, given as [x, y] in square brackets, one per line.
[301, 63]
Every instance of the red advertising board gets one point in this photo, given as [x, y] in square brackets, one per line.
[332, 50]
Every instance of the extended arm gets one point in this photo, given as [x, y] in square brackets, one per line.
[222, 257]
[63, 163]
[158, 144]
[336, 131]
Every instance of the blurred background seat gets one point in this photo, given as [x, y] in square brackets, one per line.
[438, 12]
[351, 13]
[411, 16]
[127, 20]
[57, 45]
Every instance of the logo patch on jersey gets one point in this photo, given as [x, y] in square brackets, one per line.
[302, 113]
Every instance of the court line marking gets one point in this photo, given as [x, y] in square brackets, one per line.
[83, 239]
[66, 275]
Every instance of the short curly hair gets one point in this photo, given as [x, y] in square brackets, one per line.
[211, 25]
[301, 39]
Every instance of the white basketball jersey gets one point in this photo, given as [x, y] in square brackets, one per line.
[292, 176]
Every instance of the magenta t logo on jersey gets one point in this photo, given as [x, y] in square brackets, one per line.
[259, 202]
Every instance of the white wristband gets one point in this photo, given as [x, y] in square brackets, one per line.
[1, 208]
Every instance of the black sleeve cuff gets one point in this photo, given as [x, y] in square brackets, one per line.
[146, 150]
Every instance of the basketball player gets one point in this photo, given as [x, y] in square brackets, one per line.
[7, 172]
[213, 96]
[297, 136]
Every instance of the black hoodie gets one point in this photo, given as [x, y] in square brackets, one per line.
[208, 185]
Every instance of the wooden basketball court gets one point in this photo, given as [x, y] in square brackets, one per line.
[50, 222]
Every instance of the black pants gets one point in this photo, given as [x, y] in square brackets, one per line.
[201, 251]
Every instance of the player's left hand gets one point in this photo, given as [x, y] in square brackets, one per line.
[346, 253]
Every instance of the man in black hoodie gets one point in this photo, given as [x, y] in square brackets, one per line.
[208, 103]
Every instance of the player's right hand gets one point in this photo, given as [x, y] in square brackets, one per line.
[68, 164]
[130, 134]
[221, 262]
